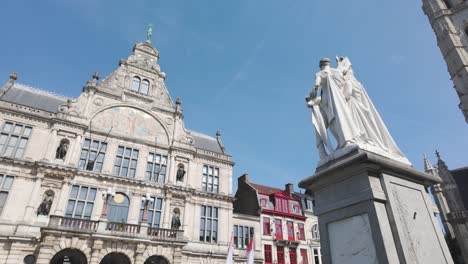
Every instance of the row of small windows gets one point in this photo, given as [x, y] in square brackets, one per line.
[293, 232]
[140, 86]
[93, 155]
[14, 138]
[280, 255]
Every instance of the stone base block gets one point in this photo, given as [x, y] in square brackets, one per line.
[375, 210]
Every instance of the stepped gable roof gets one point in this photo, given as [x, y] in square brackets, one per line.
[265, 189]
[32, 97]
[461, 178]
[202, 141]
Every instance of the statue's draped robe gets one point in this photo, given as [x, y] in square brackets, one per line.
[333, 108]
[372, 129]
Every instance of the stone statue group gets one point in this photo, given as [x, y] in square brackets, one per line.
[344, 108]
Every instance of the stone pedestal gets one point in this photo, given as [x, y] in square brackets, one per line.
[375, 210]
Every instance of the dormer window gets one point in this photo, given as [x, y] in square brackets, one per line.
[140, 86]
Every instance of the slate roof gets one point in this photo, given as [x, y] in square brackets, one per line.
[27, 96]
[263, 189]
[206, 142]
[461, 178]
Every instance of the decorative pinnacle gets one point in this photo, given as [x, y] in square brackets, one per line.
[96, 76]
[437, 154]
[218, 133]
[178, 101]
[13, 76]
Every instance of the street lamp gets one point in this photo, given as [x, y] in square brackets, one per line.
[106, 196]
[146, 199]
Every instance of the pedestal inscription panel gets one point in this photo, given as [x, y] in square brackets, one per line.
[417, 228]
[351, 241]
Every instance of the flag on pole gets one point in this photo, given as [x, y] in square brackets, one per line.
[250, 251]
[229, 254]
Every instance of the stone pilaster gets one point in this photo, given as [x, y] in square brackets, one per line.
[34, 198]
[45, 252]
[63, 197]
[95, 252]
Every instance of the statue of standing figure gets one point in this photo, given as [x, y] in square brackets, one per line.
[344, 108]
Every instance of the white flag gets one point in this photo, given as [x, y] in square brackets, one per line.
[229, 254]
[250, 251]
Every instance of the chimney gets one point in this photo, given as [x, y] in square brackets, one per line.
[289, 188]
[243, 178]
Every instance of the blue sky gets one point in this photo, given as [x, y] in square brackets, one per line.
[245, 66]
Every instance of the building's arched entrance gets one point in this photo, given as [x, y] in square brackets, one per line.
[115, 258]
[69, 256]
[156, 260]
[118, 208]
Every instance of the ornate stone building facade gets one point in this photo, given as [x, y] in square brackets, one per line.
[112, 176]
[449, 20]
[449, 197]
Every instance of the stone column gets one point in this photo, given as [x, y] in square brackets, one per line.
[140, 249]
[49, 149]
[45, 252]
[75, 151]
[30, 209]
[95, 251]
[171, 175]
[372, 209]
[167, 211]
[134, 209]
[63, 197]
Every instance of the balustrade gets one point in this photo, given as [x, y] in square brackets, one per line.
[113, 228]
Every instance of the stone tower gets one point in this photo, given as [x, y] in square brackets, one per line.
[439, 198]
[456, 216]
[449, 20]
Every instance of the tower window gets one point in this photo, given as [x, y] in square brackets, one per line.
[144, 87]
[447, 4]
[140, 86]
[136, 84]
[466, 31]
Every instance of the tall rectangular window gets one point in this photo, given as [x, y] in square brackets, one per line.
[305, 259]
[13, 139]
[317, 255]
[156, 166]
[89, 158]
[292, 256]
[236, 236]
[278, 229]
[154, 211]
[210, 179]
[6, 182]
[125, 162]
[267, 251]
[301, 234]
[266, 226]
[209, 224]
[81, 202]
[290, 226]
[280, 254]
[309, 204]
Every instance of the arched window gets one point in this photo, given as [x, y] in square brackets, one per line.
[136, 84]
[466, 31]
[447, 4]
[315, 232]
[118, 208]
[144, 87]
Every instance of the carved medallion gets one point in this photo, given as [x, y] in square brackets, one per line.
[98, 101]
